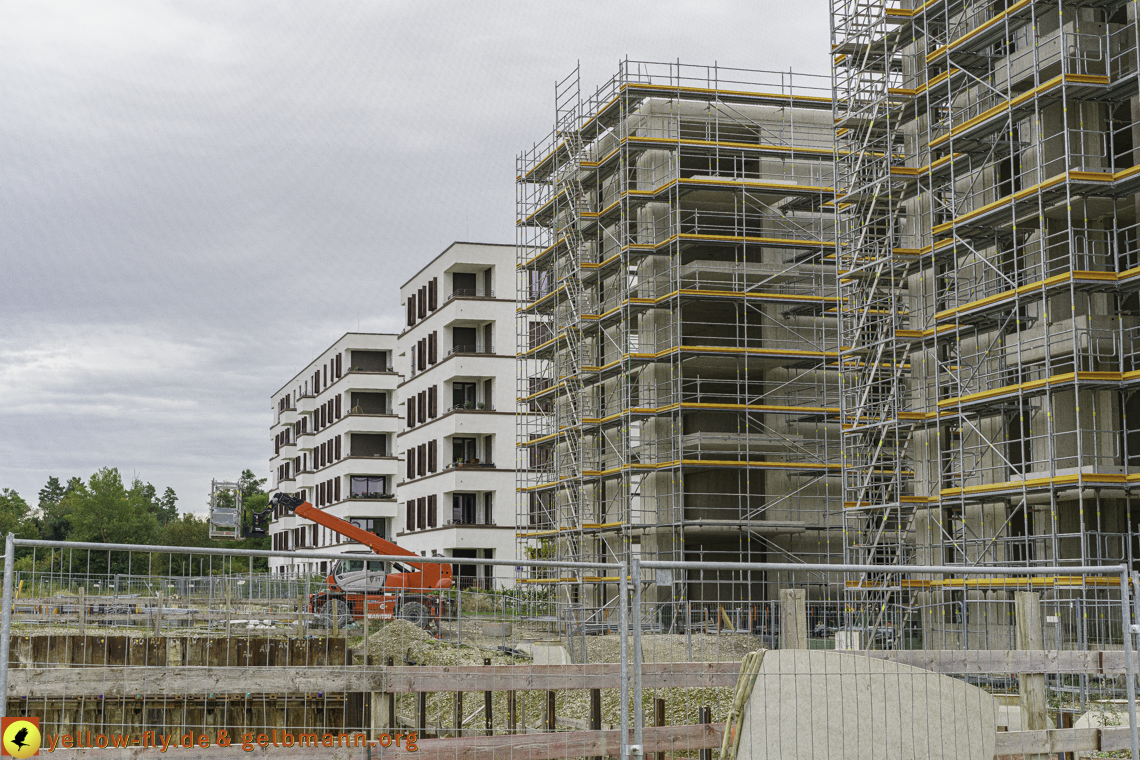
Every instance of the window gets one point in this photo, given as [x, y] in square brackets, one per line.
[463, 395]
[432, 511]
[463, 340]
[432, 340]
[369, 487]
[463, 509]
[463, 285]
[411, 310]
[433, 402]
[375, 526]
[463, 450]
[432, 455]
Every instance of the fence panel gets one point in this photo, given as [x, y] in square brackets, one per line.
[149, 646]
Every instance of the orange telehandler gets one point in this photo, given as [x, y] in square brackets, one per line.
[356, 587]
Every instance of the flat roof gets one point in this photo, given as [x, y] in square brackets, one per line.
[448, 248]
[320, 353]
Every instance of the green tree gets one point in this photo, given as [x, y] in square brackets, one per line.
[108, 513]
[14, 512]
[56, 506]
[187, 530]
[166, 508]
[250, 484]
[51, 494]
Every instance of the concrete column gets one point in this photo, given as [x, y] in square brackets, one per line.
[793, 618]
[1034, 710]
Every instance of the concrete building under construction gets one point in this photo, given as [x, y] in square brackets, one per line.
[677, 333]
[990, 265]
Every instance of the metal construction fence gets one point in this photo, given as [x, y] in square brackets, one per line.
[143, 647]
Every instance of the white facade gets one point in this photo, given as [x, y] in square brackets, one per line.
[457, 410]
[334, 442]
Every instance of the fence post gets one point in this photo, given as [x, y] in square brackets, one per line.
[1129, 661]
[638, 707]
[623, 627]
[1034, 710]
[793, 619]
[6, 616]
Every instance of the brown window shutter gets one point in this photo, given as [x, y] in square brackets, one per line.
[422, 302]
[433, 293]
[433, 402]
[432, 512]
[411, 463]
[410, 516]
[337, 398]
[411, 310]
[433, 341]
[336, 489]
[432, 456]
[339, 365]
[421, 459]
[421, 405]
[338, 448]
[411, 413]
[421, 522]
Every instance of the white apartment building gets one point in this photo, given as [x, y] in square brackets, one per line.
[334, 444]
[457, 356]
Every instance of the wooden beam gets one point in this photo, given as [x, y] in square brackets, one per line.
[96, 680]
[570, 744]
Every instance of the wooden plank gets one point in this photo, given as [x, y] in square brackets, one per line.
[569, 744]
[306, 672]
[544, 746]
[112, 682]
[556, 677]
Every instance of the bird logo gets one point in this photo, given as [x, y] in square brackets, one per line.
[21, 737]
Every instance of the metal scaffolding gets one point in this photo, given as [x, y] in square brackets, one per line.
[989, 267]
[676, 332]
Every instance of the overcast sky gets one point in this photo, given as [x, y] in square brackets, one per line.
[198, 197]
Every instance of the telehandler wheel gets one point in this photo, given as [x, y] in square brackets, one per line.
[335, 609]
[417, 613]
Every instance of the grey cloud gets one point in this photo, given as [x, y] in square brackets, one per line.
[199, 197]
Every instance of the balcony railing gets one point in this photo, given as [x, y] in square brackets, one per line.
[470, 293]
[469, 406]
[470, 464]
[469, 349]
